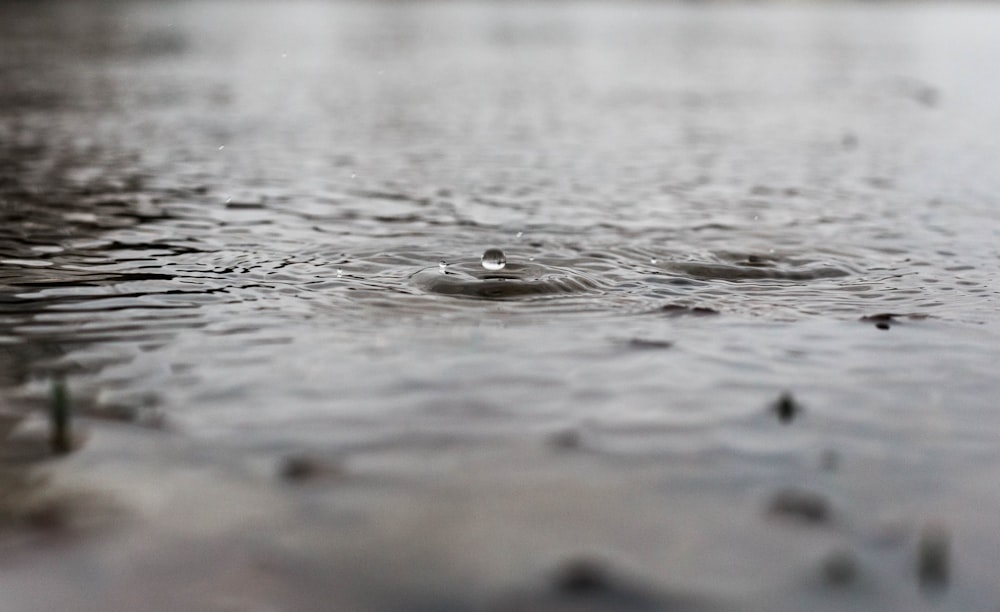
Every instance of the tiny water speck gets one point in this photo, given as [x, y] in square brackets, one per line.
[340, 273]
[443, 266]
[519, 234]
[494, 259]
[652, 261]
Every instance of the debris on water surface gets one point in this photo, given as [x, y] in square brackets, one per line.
[933, 559]
[786, 408]
[884, 320]
[683, 309]
[800, 505]
[494, 259]
[299, 468]
[645, 343]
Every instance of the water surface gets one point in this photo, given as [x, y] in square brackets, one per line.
[230, 217]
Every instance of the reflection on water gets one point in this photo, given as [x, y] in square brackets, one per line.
[233, 215]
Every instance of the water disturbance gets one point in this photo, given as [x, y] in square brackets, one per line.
[466, 306]
[494, 260]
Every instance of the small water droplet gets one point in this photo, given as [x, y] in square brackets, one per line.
[519, 234]
[353, 175]
[494, 259]
[340, 273]
[531, 259]
[653, 261]
[221, 147]
[443, 266]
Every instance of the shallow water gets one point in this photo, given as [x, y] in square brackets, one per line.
[231, 217]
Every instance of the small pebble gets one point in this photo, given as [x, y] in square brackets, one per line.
[682, 309]
[298, 468]
[645, 343]
[786, 408]
[800, 505]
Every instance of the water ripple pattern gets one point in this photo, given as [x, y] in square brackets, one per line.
[244, 227]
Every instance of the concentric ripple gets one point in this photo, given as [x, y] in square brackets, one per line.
[516, 280]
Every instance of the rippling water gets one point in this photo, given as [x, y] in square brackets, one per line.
[232, 216]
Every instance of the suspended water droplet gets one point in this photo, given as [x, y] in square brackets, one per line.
[340, 273]
[494, 259]
[653, 261]
[519, 234]
[531, 259]
[443, 266]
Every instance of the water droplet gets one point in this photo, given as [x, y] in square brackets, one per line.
[353, 175]
[653, 261]
[221, 147]
[443, 266]
[531, 259]
[494, 259]
[519, 234]
[340, 273]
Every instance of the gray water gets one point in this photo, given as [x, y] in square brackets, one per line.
[228, 218]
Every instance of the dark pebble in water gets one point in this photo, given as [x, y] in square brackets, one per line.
[582, 576]
[933, 559]
[882, 316]
[840, 568]
[642, 343]
[682, 309]
[786, 408]
[884, 319]
[800, 505]
[299, 468]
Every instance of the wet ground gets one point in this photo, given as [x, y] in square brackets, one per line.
[742, 353]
